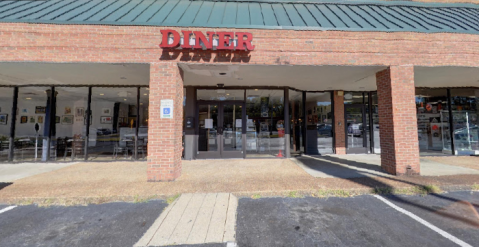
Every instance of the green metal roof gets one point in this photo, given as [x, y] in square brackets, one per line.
[259, 14]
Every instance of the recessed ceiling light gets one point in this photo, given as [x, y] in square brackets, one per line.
[102, 94]
[124, 99]
[28, 98]
[227, 94]
[141, 103]
[145, 94]
[256, 90]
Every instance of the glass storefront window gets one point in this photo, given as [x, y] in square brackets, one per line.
[375, 123]
[319, 123]
[33, 108]
[113, 123]
[464, 106]
[220, 94]
[432, 120]
[265, 123]
[143, 126]
[6, 101]
[69, 131]
[296, 118]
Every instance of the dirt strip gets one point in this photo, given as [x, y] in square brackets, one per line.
[85, 183]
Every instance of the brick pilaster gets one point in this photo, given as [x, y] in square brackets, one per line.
[165, 135]
[339, 131]
[397, 120]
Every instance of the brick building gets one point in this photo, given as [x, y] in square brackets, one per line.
[88, 80]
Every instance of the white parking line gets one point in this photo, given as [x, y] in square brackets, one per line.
[429, 225]
[7, 209]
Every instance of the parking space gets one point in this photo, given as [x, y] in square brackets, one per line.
[111, 224]
[456, 213]
[358, 221]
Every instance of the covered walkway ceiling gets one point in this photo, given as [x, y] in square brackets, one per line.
[74, 74]
[320, 78]
[366, 15]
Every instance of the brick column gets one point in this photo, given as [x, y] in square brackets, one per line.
[397, 120]
[339, 132]
[165, 135]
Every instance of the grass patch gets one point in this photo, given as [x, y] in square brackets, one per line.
[294, 194]
[332, 193]
[256, 196]
[171, 199]
[415, 190]
[139, 199]
[475, 186]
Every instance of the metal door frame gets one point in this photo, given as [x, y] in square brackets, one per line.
[220, 153]
[357, 150]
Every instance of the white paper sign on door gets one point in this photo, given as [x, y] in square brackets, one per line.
[166, 108]
[208, 123]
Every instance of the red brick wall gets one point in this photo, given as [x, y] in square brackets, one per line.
[339, 130]
[115, 44]
[165, 135]
[397, 118]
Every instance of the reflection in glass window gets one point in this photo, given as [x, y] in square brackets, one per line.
[464, 106]
[319, 123]
[432, 120]
[265, 123]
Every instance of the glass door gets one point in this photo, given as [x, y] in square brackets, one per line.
[356, 129]
[220, 130]
[208, 124]
[232, 130]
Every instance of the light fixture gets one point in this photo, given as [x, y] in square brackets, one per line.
[102, 94]
[141, 103]
[227, 94]
[256, 90]
[124, 99]
[145, 94]
[28, 98]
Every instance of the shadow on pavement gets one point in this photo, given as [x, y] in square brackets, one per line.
[359, 177]
[3, 185]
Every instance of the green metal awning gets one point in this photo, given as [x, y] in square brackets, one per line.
[260, 14]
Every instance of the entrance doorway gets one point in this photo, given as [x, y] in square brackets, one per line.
[221, 129]
[356, 129]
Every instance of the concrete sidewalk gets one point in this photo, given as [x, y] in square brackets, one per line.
[369, 165]
[12, 172]
[194, 219]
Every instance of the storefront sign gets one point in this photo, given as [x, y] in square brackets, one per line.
[166, 108]
[216, 40]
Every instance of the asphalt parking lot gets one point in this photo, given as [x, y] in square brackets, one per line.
[110, 224]
[359, 221]
[449, 219]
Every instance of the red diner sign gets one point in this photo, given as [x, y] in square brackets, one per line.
[241, 41]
